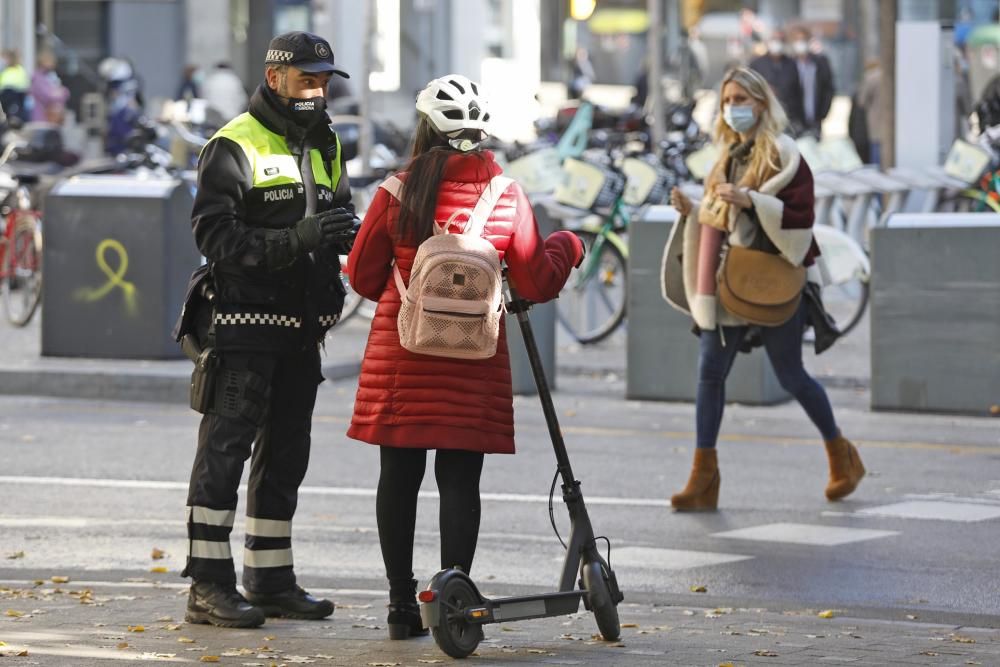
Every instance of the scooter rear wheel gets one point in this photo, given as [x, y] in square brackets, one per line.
[595, 580]
[455, 635]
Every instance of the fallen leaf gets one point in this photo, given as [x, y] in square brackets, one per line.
[764, 653]
[963, 640]
[172, 626]
[429, 662]
[699, 589]
[60, 580]
[209, 658]
[930, 653]
[159, 569]
[122, 645]
[157, 554]
[618, 645]
[630, 625]
[688, 612]
[23, 654]
[911, 617]
[826, 614]
[539, 651]
[39, 582]
[137, 628]
[383, 664]
[14, 613]
[995, 410]
[16, 555]
[185, 640]
[725, 664]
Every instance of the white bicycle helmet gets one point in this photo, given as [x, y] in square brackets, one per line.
[454, 104]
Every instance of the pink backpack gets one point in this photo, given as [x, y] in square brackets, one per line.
[453, 304]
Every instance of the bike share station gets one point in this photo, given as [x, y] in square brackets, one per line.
[118, 253]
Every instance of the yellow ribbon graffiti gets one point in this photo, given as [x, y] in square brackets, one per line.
[116, 278]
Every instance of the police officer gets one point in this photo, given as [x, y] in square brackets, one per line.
[272, 215]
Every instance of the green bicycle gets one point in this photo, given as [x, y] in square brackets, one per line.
[592, 305]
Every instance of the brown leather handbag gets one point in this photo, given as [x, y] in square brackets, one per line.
[759, 287]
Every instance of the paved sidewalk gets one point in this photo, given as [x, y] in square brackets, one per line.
[78, 623]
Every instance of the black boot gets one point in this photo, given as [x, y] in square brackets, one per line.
[292, 603]
[213, 603]
[404, 612]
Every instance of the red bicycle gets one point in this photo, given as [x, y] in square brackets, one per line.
[20, 249]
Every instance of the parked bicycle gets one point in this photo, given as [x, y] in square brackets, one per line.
[592, 305]
[20, 248]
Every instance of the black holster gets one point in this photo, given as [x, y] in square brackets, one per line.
[203, 380]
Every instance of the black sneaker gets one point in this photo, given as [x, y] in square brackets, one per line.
[291, 603]
[221, 604]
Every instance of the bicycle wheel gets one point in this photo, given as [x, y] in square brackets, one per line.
[592, 303]
[21, 287]
[848, 272]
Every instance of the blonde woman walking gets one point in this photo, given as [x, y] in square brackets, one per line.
[758, 195]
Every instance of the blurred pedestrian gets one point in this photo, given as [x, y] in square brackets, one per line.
[816, 79]
[189, 89]
[869, 99]
[272, 215]
[581, 74]
[224, 92]
[48, 95]
[410, 403]
[124, 102]
[758, 195]
[781, 72]
[14, 86]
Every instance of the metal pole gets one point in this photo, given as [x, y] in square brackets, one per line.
[656, 72]
[365, 140]
[887, 58]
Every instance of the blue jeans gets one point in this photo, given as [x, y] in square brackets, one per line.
[784, 348]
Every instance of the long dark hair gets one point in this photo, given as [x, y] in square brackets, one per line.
[418, 199]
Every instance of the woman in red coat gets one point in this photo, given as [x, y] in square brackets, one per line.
[409, 403]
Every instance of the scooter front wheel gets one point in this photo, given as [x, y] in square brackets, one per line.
[454, 634]
[595, 580]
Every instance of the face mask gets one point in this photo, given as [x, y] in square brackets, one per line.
[740, 118]
[308, 111]
[775, 47]
[800, 48]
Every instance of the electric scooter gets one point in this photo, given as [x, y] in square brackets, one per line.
[454, 609]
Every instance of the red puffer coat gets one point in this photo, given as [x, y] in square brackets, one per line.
[420, 401]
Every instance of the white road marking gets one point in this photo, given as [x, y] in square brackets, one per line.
[799, 533]
[317, 490]
[650, 558]
[939, 510]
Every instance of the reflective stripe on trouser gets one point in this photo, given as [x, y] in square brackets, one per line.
[280, 451]
[208, 539]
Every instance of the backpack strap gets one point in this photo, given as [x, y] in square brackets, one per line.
[393, 185]
[487, 202]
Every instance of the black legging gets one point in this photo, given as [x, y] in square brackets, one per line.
[457, 474]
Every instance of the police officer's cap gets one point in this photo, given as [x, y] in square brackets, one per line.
[304, 51]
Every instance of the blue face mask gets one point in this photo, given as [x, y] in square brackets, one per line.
[741, 118]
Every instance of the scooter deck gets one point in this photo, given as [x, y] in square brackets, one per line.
[528, 606]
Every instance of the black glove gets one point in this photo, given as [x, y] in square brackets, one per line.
[283, 246]
[339, 230]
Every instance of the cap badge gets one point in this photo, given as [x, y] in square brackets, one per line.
[322, 50]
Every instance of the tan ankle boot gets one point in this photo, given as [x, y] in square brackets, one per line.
[846, 469]
[702, 490]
